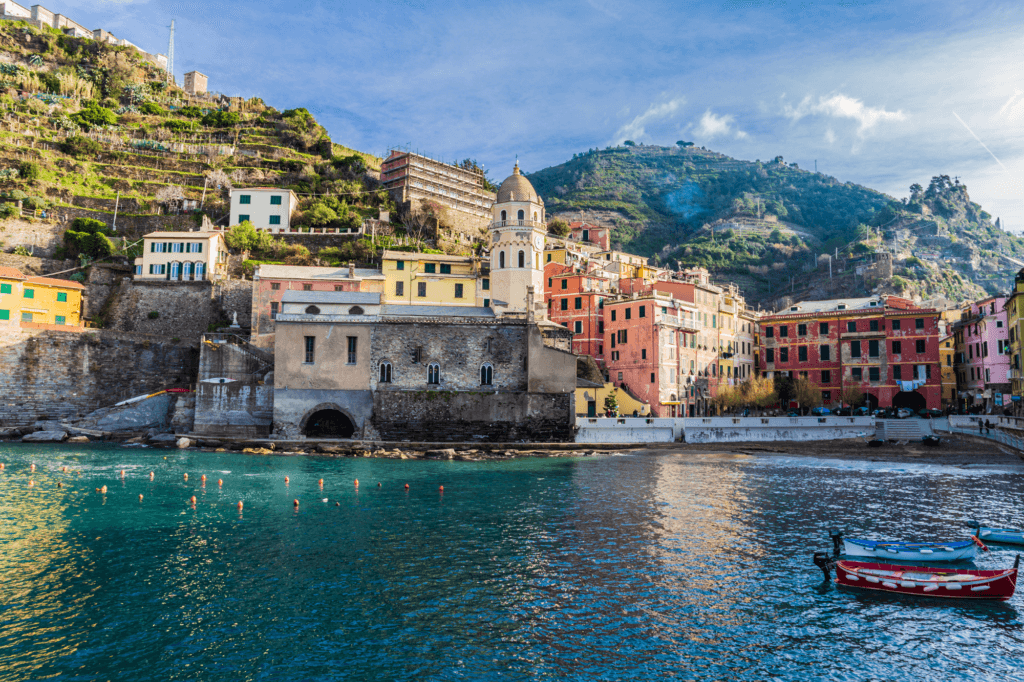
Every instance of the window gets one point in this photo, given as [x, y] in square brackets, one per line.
[620, 376]
[897, 347]
[275, 286]
[999, 324]
[310, 348]
[504, 216]
[26, 317]
[826, 376]
[501, 259]
[522, 257]
[823, 327]
[873, 348]
[801, 330]
[5, 314]
[275, 220]
[421, 289]
[307, 287]
[62, 297]
[897, 372]
[177, 247]
[578, 327]
[895, 324]
[825, 352]
[400, 265]
[244, 198]
[352, 340]
[486, 374]
[643, 353]
[600, 326]
[988, 372]
[399, 288]
[919, 323]
[430, 267]
[873, 325]
[643, 310]
[919, 345]
[564, 303]
[5, 288]
[984, 348]
[312, 310]
[59, 319]
[274, 307]
[783, 331]
[613, 316]
[623, 337]
[769, 332]
[578, 303]
[857, 373]
[175, 270]
[928, 372]
[275, 200]
[652, 377]
[486, 286]
[487, 302]
[385, 372]
[242, 217]
[522, 214]
[851, 326]
[629, 313]
[433, 373]
[446, 268]
[855, 349]
[873, 374]
[30, 293]
[783, 355]
[565, 284]
[770, 355]
[549, 257]
[458, 291]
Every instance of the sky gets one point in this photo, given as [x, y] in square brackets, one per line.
[885, 94]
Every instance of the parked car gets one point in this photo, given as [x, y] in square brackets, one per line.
[792, 413]
[930, 414]
[821, 411]
[904, 413]
[861, 412]
[844, 412]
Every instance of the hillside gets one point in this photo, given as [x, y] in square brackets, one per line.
[767, 225]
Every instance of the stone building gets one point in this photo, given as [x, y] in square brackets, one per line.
[195, 83]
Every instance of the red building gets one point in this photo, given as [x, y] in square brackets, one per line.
[598, 235]
[575, 300]
[885, 345]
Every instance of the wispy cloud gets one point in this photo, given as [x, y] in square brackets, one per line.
[844, 106]
[712, 125]
[1014, 107]
[636, 129]
[980, 142]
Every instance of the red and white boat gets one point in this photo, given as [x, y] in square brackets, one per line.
[921, 581]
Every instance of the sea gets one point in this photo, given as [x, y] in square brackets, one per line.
[623, 566]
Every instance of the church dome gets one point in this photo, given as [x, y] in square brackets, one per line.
[517, 188]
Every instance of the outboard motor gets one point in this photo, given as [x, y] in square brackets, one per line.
[822, 561]
[837, 541]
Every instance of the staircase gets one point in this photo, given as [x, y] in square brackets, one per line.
[901, 429]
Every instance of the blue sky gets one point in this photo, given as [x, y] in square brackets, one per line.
[880, 93]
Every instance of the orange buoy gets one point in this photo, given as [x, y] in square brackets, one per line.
[441, 488]
[193, 500]
[31, 483]
[220, 481]
[32, 467]
[295, 503]
[64, 469]
[286, 479]
[186, 477]
[59, 484]
[103, 490]
[203, 478]
[140, 497]
[321, 483]
[357, 482]
[122, 473]
[406, 486]
[239, 505]
[1, 467]
[151, 475]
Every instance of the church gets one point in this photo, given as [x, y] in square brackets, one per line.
[361, 365]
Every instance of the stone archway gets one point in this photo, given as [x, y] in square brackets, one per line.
[912, 400]
[327, 420]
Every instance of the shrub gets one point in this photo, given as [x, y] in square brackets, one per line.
[34, 203]
[8, 210]
[77, 277]
[21, 251]
[221, 119]
[176, 126]
[151, 109]
[79, 146]
[153, 315]
[245, 237]
[28, 170]
[558, 227]
[87, 237]
[93, 116]
[190, 112]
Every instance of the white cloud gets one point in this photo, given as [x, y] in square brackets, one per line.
[636, 129]
[1014, 107]
[830, 136]
[711, 126]
[843, 106]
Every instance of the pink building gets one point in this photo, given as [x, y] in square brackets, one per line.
[271, 281]
[982, 356]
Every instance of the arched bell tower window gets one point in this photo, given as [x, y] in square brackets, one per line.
[486, 374]
[385, 372]
[312, 310]
[355, 310]
[501, 259]
[522, 214]
[522, 259]
[504, 216]
[434, 373]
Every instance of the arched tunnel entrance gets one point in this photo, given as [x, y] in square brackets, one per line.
[329, 423]
[912, 400]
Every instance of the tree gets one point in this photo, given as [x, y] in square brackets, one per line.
[169, 193]
[806, 394]
[611, 402]
[320, 214]
[28, 170]
[684, 144]
[629, 143]
[783, 389]
[852, 396]
[245, 237]
[558, 227]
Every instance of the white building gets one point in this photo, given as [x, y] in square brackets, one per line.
[182, 256]
[267, 208]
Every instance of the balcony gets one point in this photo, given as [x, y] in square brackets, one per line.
[518, 223]
[683, 324]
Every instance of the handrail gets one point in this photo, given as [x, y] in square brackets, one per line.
[518, 223]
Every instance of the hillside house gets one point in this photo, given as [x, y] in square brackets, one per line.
[39, 300]
[182, 256]
[267, 208]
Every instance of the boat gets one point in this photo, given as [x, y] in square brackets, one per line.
[953, 550]
[922, 581]
[931, 441]
[1008, 535]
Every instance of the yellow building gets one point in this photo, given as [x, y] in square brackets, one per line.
[434, 279]
[590, 400]
[947, 346]
[1014, 307]
[40, 300]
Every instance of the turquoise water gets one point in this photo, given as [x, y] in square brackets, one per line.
[618, 567]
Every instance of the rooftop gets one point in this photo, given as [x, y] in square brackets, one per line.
[338, 297]
[10, 273]
[52, 282]
[412, 255]
[435, 311]
[311, 272]
[185, 235]
[517, 188]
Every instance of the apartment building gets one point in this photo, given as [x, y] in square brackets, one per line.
[409, 177]
[1014, 308]
[182, 256]
[267, 208]
[39, 300]
[434, 279]
[576, 301]
[947, 348]
[982, 355]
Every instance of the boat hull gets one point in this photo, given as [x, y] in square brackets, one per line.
[961, 550]
[1005, 535]
[918, 581]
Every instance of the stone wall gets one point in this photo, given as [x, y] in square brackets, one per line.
[465, 417]
[239, 410]
[102, 280]
[185, 309]
[67, 375]
[40, 237]
[130, 225]
[34, 266]
[235, 296]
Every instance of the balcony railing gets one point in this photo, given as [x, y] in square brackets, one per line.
[519, 223]
[682, 322]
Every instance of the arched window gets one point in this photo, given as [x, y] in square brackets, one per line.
[504, 216]
[433, 373]
[355, 310]
[175, 270]
[186, 270]
[200, 270]
[522, 214]
[312, 310]
[385, 372]
[486, 374]
[501, 259]
[522, 259]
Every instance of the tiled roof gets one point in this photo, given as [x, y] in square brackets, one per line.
[338, 297]
[408, 255]
[832, 305]
[50, 281]
[435, 311]
[311, 272]
[10, 273]
[186, 235]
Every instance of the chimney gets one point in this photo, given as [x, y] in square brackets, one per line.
[351, 270]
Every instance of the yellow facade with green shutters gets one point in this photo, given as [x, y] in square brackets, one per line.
[433, 279]
[39, 300]
[1014, 307]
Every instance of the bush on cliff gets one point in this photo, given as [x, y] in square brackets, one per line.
[245, 237]
[87, 237]
[78, 146]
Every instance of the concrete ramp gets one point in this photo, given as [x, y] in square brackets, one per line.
[901, 429]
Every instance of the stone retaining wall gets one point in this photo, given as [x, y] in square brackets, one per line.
[41, 237]
[722, 429]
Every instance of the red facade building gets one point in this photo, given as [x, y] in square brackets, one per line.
[575, 300]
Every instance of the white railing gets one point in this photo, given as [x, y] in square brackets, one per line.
[519, 223]
[997, 435]
[683, 322]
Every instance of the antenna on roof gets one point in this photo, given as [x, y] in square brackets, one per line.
[170, 55]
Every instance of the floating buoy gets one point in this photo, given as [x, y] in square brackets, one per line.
[122, 473]
[220, 482]
[1, 467]
[406, 486]
[337, 504]
[441, 488]
[32, 467]
[203, 479]
[324, 500]
[295, 503]
[59, 484]
[140, 497]
[378, 485]
[286, 479]
[193, 500]
[239, 505]
[321, 483]
[357, 482]
[186, 477]
[103, 490]
[64, 469]
[31, 483]
[151, 475]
